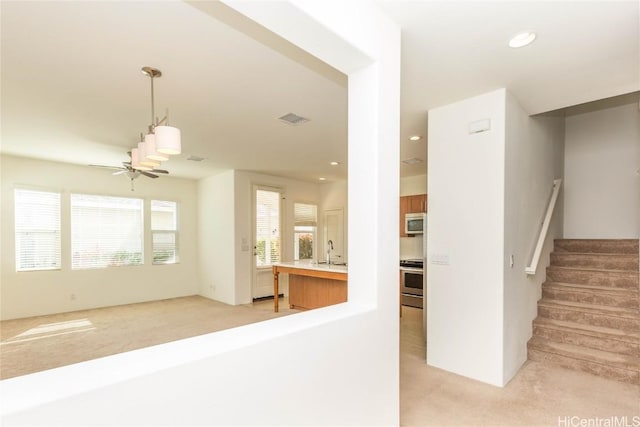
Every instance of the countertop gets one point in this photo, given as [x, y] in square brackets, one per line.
[310, 265]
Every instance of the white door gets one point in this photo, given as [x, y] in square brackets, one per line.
[267, 238]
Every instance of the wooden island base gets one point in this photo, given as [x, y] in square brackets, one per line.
[306, 293]
[311, 286]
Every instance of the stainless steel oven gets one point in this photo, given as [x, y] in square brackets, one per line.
[411, 283]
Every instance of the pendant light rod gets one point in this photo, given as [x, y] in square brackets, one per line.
[152, 73]
[153, 103]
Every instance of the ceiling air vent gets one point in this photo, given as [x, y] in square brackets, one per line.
[412, 161]
[293, 119]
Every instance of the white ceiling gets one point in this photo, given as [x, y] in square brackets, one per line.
[72, 88]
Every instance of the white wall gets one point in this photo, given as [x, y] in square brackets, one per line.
[332, 366]
[45, 292]
[534, 158]
[217, 242]
[487, 197]
[602, 185]
[412, 185]
[466, 217]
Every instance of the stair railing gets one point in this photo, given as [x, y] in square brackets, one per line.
[533, 266]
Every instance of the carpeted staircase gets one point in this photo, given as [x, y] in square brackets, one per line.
[589, 313]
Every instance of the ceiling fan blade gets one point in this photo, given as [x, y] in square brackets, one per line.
[107, 167]
[159, 171]
[120, 172]
[150, 175]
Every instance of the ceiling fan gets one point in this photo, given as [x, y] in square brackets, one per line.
[131, 172]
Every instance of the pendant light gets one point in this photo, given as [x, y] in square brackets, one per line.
[166, 139]
[150, 149]
[143, 158]
[135, 161]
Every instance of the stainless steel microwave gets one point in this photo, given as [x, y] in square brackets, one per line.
[415, 223]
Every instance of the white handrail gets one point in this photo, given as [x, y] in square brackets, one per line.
[531, 269]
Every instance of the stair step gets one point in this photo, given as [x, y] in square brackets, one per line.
[599, 338]
[624, 319]
[596, 277]
[589, 294]
[619, 246]
[602, 363]
[627, 262]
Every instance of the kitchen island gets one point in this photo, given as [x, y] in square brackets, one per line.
[311, 285]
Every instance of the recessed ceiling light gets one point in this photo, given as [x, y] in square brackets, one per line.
[322, 178]
[334, 163]
[522, 39]
[415, 138]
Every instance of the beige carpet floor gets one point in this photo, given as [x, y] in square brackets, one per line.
[539, 395]
[37, 343]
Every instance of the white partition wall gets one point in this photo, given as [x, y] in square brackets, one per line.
[332, 366]
[466, 234]
[487, 196]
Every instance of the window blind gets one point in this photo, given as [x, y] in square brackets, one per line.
[37, 228]
[305, 214]
[105, 231]
[164, 231]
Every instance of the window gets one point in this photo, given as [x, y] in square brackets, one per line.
[304, 232]
[37, 227]
[105, 231]
[164, 231]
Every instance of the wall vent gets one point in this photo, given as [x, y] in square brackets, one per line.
[293, 119]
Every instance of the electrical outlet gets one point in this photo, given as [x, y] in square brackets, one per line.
[73, 297]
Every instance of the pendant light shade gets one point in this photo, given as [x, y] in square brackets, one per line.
[149, 163]
[142, 157]
[167, 139]
[150, 149]
[135, 161]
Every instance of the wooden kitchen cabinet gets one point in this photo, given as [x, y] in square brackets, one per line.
[411, 204]
[417, 203]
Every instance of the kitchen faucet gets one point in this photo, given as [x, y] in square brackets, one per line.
[329, 249]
